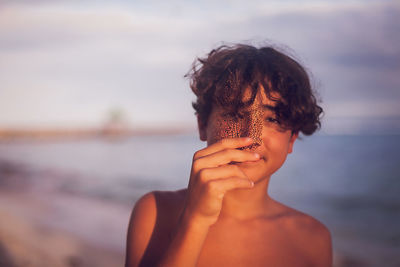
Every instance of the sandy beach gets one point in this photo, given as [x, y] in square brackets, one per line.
[41, 226]
[29, 236]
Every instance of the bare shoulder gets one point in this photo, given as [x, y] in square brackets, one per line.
[147, 207]
[148, 211]
[140, 228]
[311, 235]
[170, 201]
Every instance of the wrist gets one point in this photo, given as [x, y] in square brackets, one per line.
[186, 243]
[195, 223]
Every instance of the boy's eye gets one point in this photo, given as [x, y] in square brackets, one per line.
[272, 120]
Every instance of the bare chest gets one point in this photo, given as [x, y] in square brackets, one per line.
[251, 245]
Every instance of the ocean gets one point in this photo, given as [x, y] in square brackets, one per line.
[350, 183]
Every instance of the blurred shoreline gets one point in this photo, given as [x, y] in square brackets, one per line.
[119, 132]
[54, 133]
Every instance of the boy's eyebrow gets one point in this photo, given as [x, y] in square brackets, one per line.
[269, 107]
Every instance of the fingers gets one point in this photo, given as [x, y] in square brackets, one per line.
[224, 144]
[211, 176]
[224, 157]
[211, 163]
[205, 175]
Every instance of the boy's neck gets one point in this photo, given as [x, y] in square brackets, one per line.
[245, 204]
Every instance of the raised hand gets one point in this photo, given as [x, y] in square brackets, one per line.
[212, 175]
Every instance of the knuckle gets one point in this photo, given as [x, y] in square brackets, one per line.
[203, 175]
[196, 155]
[196, 165]
[212, 187]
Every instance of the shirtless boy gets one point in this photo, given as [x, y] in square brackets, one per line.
[251, 105]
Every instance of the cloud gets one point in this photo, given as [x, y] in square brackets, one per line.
[80, 59]
[364, 109]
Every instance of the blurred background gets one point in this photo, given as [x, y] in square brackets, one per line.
[95, 112]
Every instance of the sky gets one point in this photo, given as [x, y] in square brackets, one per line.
[72, 63]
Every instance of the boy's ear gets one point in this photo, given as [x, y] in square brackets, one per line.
[202, 129]
[291, 141]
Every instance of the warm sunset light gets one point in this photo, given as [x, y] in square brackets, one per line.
[115, 150]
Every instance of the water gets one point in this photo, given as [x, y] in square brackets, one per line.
[351, 183]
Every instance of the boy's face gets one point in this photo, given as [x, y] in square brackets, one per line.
[257, 121]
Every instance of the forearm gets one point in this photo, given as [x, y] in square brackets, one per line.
[186, 244]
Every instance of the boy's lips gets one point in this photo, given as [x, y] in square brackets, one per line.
[248, 162]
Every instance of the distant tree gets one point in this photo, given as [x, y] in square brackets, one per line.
[116, 122]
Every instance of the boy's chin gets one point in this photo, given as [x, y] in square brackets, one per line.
[251, 168]
[255, 170]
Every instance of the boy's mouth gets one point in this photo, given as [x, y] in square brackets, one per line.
[241, 162]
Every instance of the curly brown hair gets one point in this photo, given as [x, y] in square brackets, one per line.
[222, 77]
